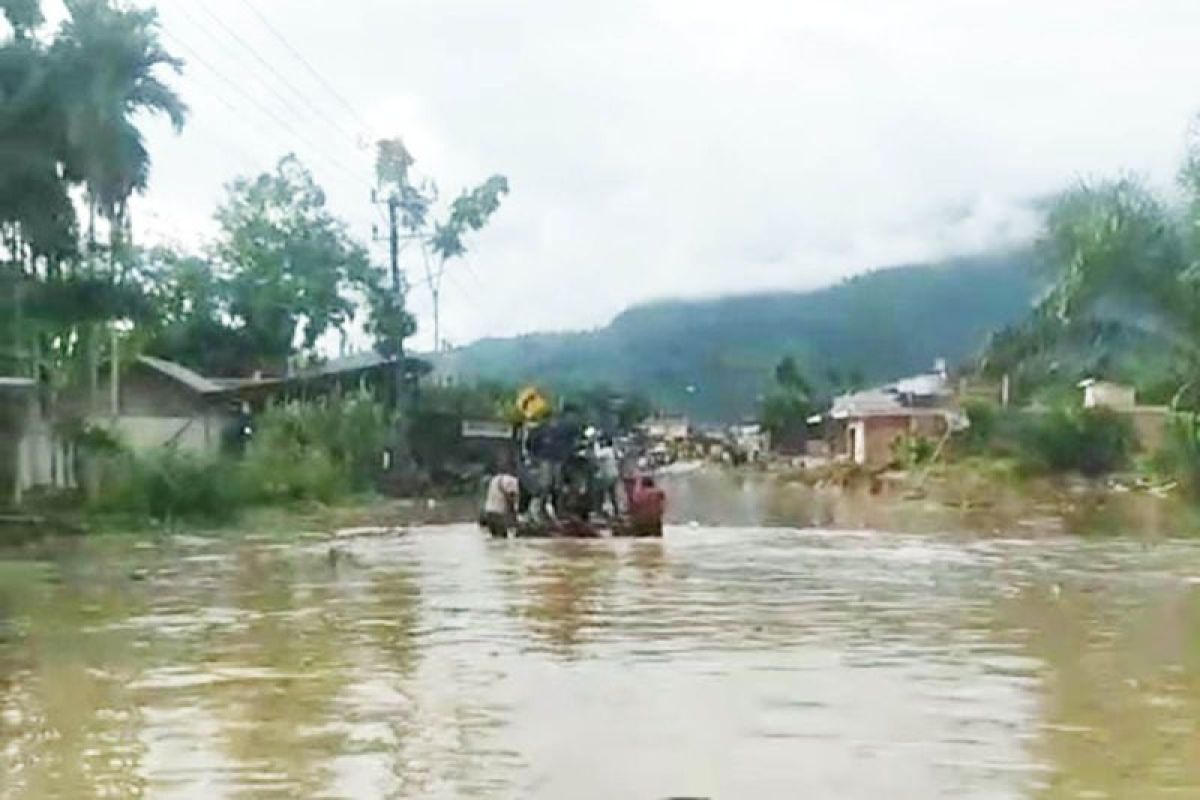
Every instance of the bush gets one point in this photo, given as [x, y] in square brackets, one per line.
[912, 451]
[317, 450]
[1180, 456]
[984, 421]
[170, 484]
[1090, 441]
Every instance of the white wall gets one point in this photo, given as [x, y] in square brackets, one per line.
[44, 460]
[857, 431]
[199, 434]
[1109, 395]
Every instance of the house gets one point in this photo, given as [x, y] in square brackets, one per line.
[751, 441]
[667, 429]
[1106, 394]
[157, 403]
[864, 426]
[367, 370]
[152, 403]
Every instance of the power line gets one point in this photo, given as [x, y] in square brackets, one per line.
[252, 160]
[304, 98]
[267, 111]
[311, 69]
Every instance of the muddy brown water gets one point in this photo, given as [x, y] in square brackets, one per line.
[739, 658]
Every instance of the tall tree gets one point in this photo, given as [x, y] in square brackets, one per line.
[1126, 266]
[109, 60]
[290, 266]
[191, 324]
[440, 240]
[469, 212]
[24, 16]
[788, 403]
[408, 207]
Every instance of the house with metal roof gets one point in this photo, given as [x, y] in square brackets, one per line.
[865, 426]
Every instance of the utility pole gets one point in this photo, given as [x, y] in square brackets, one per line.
[393, 240]
[400, 454]
[394, 243]
[401, 461]
[393, 205]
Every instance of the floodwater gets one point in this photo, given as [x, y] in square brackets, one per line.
[728, 660]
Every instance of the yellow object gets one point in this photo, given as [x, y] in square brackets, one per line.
[532, 404]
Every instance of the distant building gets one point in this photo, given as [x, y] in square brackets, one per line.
[751, 440]
[1106, 394]
[667, 429]
[864, 426]
[155, 403]
[367, 370]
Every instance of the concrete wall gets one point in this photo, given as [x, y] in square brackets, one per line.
[881, 432]
[869, 440]
[1109, 395]
[1150, 427]
[45, 460]
[197, 434]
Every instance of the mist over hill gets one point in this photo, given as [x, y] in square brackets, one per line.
[713, 358]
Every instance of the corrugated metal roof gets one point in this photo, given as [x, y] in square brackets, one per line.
[193, 380]
[355, 362]
[929, 385]
[918, 395]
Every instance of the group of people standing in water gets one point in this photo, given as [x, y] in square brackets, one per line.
[565, 471]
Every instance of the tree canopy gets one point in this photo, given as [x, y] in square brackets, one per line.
[70, 104]
[1125, 295]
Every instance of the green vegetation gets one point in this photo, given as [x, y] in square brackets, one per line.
[913, 451]
[1124, 305]
[441, 240]
[282, 272]
[1091, 442]
[1059, 439]
[67, 130]
[316, 452]
[788, 403]
[1125, 300]
[1180, 455]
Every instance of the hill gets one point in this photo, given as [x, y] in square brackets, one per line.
[713, 358]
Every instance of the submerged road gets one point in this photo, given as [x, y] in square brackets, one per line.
[728, 660]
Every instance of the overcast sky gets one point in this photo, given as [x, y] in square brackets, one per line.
[681, 147]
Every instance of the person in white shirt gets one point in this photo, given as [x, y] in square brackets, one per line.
[607, 472]
[500, 504]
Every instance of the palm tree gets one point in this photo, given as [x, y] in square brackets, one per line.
[108, 60]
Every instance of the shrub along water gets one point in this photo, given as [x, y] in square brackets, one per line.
[304, 451]
[167, 485]
[1090, 441]
[1180, 456]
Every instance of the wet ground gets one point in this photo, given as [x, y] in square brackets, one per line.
[728, 660]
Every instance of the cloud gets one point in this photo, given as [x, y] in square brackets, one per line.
[666, 147]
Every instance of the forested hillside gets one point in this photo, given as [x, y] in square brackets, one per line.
[713, 358]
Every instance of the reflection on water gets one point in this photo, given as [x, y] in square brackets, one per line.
[724, 661]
